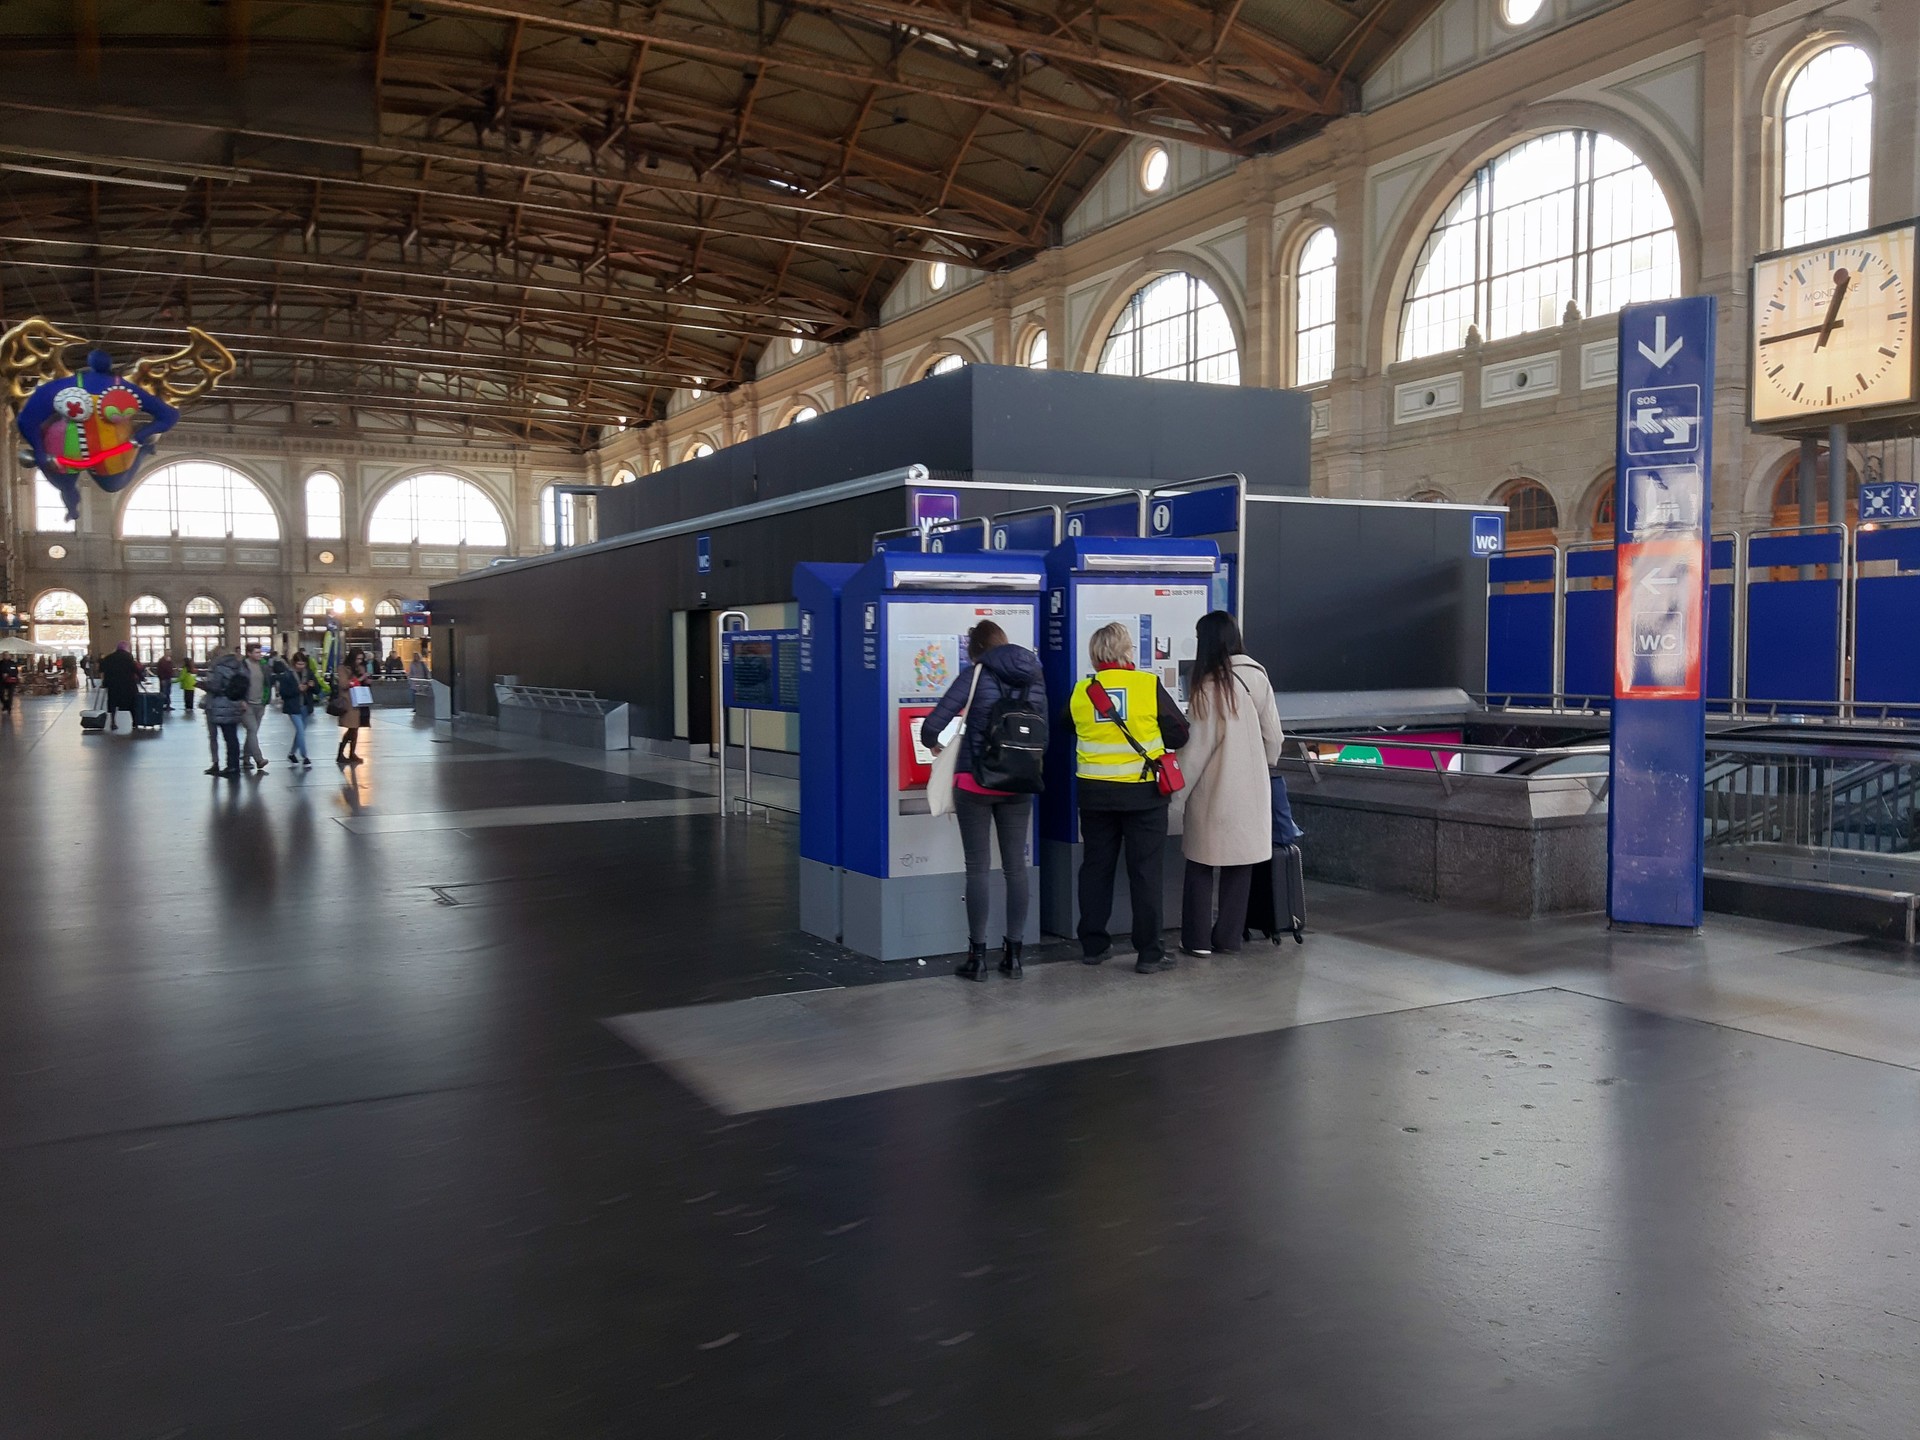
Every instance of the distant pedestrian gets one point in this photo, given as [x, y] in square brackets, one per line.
[189, 682]
[294, 685]
[9, 682]
[163, 671]
[120, 672]
[417, 668]
[226, 709]
[1125, 721]
[351, 676]
[1228, 825]
[259, 692]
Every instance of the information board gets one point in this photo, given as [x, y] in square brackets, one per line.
[1656, 848]
[760, 670]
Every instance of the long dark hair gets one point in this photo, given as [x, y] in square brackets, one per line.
[1217, 641]
[984, 637]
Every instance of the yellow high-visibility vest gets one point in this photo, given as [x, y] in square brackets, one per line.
[1103, 752]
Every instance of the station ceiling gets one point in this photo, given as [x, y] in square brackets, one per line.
[538, 218]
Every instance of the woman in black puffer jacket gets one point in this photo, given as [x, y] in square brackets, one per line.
[1005, 669]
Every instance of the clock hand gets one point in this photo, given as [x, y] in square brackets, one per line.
[1800, 334]
[1841, 279]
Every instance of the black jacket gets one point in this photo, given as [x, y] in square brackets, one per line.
[1005, 669]
[121, 673]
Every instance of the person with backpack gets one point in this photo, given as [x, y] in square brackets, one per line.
[226, 706]
[997, 775]
[1125, 723]
[1228, 827]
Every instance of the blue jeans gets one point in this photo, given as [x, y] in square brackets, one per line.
[299, 719]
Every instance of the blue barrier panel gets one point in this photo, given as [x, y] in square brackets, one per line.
[1106, 520]
[1586, 641]
[1036, 530]
[1793, 626]
[1720, 609]
[967, 539]
[1886, 656]
[1520, 630]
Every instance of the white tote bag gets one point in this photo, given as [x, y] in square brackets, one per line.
[940, 782]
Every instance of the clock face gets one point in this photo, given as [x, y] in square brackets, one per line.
[1833, 328]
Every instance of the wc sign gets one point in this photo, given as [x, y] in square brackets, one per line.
[1489, 536]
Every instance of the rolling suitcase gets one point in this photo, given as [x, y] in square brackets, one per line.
[93, 717]
[147, 710]
[1277, 902]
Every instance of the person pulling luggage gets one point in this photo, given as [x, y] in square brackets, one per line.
[996, 777]
[1125, 723]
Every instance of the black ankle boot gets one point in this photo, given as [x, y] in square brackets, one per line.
[1010, 959]
[974, 967]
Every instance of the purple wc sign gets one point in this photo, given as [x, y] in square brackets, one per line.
[934, 507]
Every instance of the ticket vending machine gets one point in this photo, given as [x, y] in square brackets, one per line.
[903, 624]
[817, 588]
[1158, 589]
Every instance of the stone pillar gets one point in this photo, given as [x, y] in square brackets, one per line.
[1059, 357]
[1000, 288]
[1261, 364]
[1896, 114]
[840, 391]
[1726, 241]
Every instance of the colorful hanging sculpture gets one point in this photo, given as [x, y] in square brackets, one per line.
[92, 421]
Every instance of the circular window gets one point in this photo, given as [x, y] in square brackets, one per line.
[56, 552]
[326, 557]
[937, 275]
[1154, 166]
[1519, 12]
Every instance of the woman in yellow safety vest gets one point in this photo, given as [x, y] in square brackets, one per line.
[1124, 720]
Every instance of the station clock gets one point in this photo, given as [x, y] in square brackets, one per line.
[1832, 336]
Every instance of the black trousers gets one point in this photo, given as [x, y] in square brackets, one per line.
[1203, 926]
[230, 733]
[1103, 834]
[981, 816]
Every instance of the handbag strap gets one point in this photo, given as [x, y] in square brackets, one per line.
[1097, 693]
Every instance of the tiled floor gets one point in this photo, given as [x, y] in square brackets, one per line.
[457, 1096]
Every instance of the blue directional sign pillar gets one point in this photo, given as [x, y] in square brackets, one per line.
[1656, 845]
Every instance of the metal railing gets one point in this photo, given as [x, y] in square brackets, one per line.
[546, 697]
[1453, 764]
[1813, 796]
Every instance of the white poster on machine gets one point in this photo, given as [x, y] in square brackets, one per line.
[1161, 618]
[926, 653]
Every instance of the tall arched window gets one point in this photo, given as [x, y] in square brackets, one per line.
[314, 613]
[206, 628]
[1034, 355]
[437, 510]
[804, 412]
[256, 621]
[1826, 146]
[1532, 517]
[60, 620]
[944, 365]
[1173, 328]
[699, 450]
[623, 476]
[147, 617]
[1313, 294]
[199, 500]
[324, 514]
[1574, 215]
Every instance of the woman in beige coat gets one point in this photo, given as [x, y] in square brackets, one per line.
[1229, 811]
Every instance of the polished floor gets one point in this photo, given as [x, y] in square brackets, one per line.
[488, 1090]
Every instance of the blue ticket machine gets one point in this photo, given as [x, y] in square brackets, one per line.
[903, 624]
[1158, 589]
[817, 588]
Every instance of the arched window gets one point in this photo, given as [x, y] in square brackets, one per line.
[1826, 146]
[60, 620]
[1428, 497]
[804, 412]
[49, 510]
[437, 510]
[623, 476]
[1786, 492]
[1602, 518]
[1532, 517]
[699, 450]
[315, 612]
[1574, 215]
[206, 628]
[1173, 328]
[199, 500]
[324, 513]
[256, 622]
[944, 365]
[148, 623]
[1313, 292]
[1034, 355]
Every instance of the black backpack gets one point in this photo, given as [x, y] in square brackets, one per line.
[237, 683]
[1013, 749]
